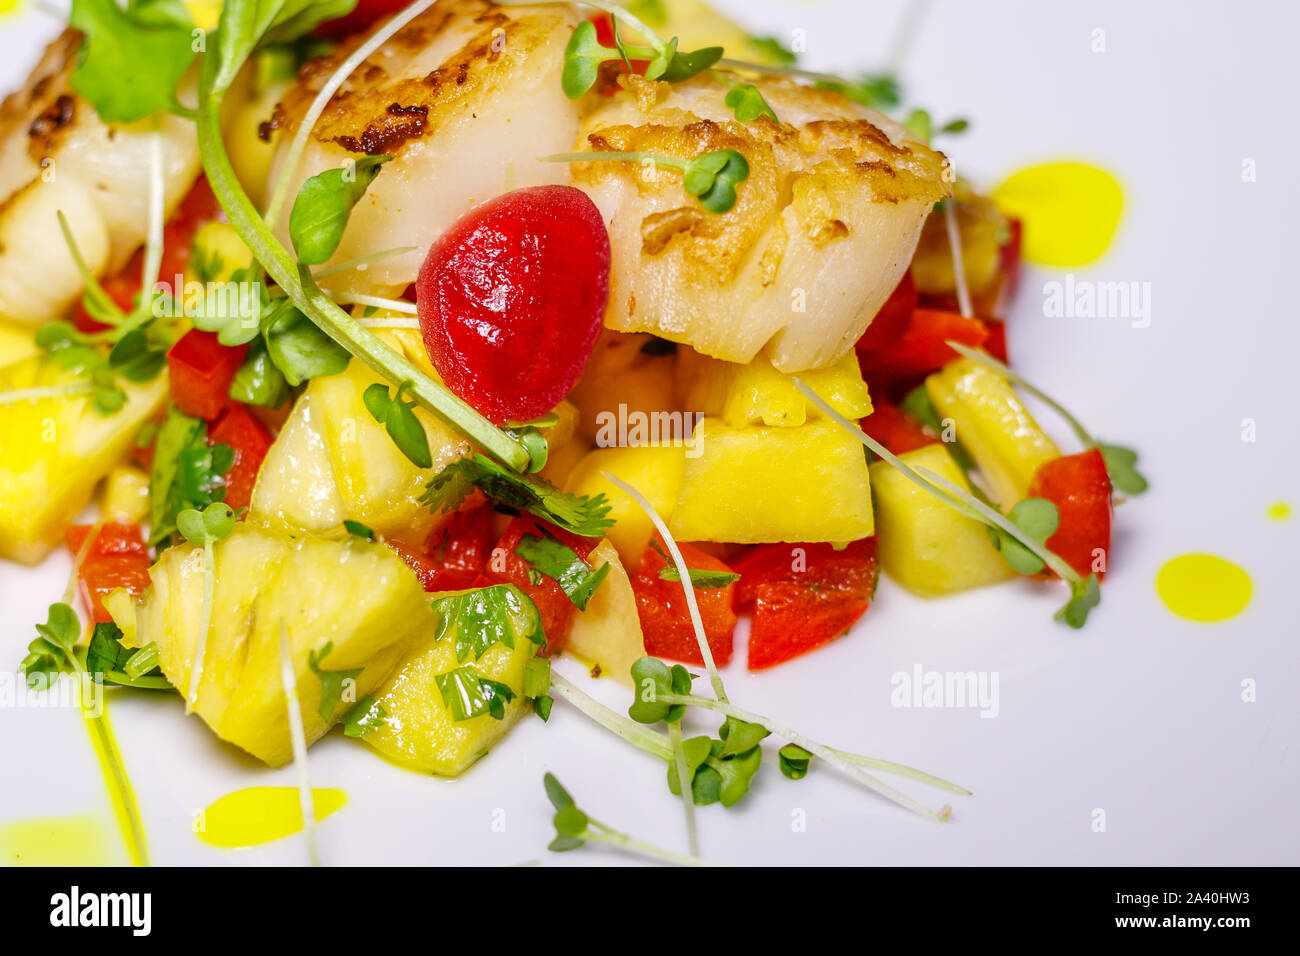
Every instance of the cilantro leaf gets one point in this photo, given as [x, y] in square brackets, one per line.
[359, 530]
[468, 693]
[107, 660]
[364, 717]
[561, 564]
[580, 514]
[132, 58]
[499, 614]
[187, 473]
[332, 683]
[702, 579]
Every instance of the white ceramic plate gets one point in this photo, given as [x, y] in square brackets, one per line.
[1141, 715]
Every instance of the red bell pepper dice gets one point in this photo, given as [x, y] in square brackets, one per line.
[456, 554]
[996, 343]
[665, 618]
[803, 596]
[894, 428]
[201, 372]
[892, 320]
[504, 566]
[118, 558]
[1079, 486]
[250, 441]
[923, 348]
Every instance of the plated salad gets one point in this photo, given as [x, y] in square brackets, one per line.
[369, 356]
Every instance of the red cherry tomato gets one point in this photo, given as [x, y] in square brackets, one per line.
[511, 299]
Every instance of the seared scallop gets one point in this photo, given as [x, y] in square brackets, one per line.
[821, 232]
[56, 155]
[466, 98]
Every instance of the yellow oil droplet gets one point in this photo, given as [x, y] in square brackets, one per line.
[261, 814]
[1070, 211]
[1202, 587]
[55, 841]
[7, 7]
[1279, 511]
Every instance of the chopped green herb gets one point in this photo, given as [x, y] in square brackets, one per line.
[701, 579]
[398, 418]
[333, 684]
[579, 514]
[108, 662]
[468, 693]
[561, 564]
[477, 619]
[187, 473]
[365, 716]
[358, 529]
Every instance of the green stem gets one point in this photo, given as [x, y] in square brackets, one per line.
[607, 834]
[153, 247]
[684, 784]
[317, 306]
[941, 488]
[988, 361]
[94, 290]
[902, 770]
[688, 588]
[347, 265]
[638, 735]
[825, 753]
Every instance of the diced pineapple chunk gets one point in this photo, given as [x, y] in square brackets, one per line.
[54, 451]
[608, 634]
[993, 425]
[333, 462]
[565, 448]
[758, 394]
[126, 494]
[922, 543]
[620, 373]
[756, 485]
[655, 471]
[358, 596]
[420, 732]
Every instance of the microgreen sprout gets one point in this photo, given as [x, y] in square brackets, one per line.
[748, 104]
[1121, 462]
[398, 418]
[574, 828]
[204, 528]
[321, 211]
[1039, 519]
[1085, 594]
[710, 177]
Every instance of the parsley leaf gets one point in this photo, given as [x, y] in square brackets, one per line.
[468, 693]
[132, 58]
[107, 660]
[580, 514]
[561, 564]
[499, 614]
[332, 683]
[187, 473]
[705, 580]
[364, 717]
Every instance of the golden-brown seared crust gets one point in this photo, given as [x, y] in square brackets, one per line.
[801, 163]
[382, 107]
[36, 114]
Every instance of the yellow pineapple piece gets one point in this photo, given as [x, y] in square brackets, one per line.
[358, 596]
[608, 634]
[419, 731]
[54, 451]
[16, 343]
[922, 543]
[655, 471]
[755, 485]
[993, 425]
[219, 245]
[622, 382]
[333, 462]
[758, 394]
[126, 494]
